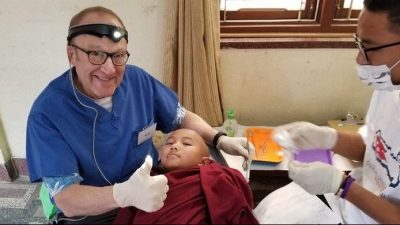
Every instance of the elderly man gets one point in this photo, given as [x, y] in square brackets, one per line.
[90, 129]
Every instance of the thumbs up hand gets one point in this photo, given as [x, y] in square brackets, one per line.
[142, 191]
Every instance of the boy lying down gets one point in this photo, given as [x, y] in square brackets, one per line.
[201, 191]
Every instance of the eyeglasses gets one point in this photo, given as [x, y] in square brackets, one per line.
[99, 58]
[364, 50]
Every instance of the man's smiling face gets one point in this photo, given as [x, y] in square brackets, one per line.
[96, 81]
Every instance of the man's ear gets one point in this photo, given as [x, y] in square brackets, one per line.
[205, 161]
[70, 53]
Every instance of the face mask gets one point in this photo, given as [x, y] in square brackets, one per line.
[377, 76]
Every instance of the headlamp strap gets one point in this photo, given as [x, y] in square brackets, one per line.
[113, 32]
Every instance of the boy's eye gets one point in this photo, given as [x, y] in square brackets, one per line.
[187, 144]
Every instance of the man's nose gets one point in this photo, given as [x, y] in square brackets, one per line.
[108, 66]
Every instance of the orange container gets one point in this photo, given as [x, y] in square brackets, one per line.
[267, 150]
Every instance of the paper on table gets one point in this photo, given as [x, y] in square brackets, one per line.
[293, 205]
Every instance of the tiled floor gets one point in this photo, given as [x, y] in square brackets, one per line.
[19, 202]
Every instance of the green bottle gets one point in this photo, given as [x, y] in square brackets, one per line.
[230, 125]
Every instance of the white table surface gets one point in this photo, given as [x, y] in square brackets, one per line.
[338, 161]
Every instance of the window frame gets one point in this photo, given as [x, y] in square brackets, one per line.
[247, 23]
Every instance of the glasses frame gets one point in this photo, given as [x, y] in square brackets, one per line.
[111, 55]
[364, 50]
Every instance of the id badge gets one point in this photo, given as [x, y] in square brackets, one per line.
[146, 133]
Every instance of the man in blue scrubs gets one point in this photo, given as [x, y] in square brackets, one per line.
[91, 128]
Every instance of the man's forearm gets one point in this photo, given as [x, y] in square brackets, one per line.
[82, 200]
[376, 207]
[350, 146]
[198, 124]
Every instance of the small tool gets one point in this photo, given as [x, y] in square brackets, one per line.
[247, 162]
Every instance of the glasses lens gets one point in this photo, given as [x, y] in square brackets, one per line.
[97, 58]
[120, 58]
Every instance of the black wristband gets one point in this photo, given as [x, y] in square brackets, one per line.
[216, 137]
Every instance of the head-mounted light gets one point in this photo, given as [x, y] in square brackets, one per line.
[113, 32]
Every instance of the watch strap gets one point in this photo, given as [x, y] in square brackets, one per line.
[216, 137]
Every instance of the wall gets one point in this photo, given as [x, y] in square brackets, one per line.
[275, 86]
[33, 50]
[266, 87]
[4, 147]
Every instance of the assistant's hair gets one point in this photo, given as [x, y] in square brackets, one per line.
[75, 20]
[392, 7]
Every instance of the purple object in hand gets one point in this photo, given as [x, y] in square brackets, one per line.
[322, 155]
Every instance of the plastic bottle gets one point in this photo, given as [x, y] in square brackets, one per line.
[230, 125]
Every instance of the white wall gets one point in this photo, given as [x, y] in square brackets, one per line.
[33, 43]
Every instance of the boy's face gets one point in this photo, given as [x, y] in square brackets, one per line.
[184, 148]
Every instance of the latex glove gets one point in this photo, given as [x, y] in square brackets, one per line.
[316, 177]
[142, 191]
[304, 136]
[235, 146]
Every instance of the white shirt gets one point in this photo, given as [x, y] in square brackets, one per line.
[381, 165]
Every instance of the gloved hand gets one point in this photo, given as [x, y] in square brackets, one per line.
[142, 191]
[316, 177]
[235, 146]
[304, 136]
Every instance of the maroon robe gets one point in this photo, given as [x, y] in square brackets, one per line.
[212, 194]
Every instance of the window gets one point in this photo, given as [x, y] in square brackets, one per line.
[257, 17]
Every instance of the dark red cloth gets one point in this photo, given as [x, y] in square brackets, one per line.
[205, 194]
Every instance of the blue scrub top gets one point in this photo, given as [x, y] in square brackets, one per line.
[60, 129]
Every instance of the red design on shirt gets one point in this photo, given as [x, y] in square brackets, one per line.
[380, 148]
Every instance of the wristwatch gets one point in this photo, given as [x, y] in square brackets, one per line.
[216, 137]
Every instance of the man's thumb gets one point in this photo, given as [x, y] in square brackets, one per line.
[146, 166]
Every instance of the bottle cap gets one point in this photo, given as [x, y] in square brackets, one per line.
[231, 114]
